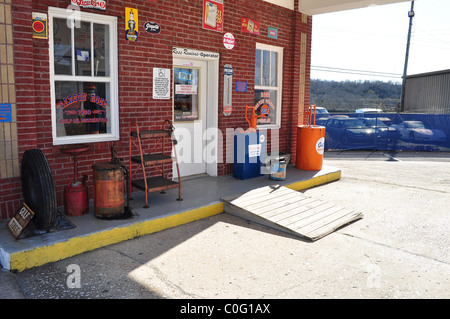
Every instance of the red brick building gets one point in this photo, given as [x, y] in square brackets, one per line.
[126, 51]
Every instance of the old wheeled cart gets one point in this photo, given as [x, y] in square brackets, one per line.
[157, 160]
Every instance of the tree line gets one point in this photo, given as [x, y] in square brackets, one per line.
[347, 96]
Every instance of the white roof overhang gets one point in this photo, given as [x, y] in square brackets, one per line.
[313, 7]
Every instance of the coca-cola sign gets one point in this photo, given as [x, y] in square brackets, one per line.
[92, 4]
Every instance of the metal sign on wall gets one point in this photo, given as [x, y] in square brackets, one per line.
[161, 84]
[5, 113]
[91, 4]
[227, 89]
[213, 15]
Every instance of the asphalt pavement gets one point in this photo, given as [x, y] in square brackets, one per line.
[399, 250]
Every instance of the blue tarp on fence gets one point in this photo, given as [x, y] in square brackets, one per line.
[387, 131]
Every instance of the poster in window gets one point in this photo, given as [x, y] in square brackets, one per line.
[213, 15]
[131, 24]
[186, 94]
[81, 108]
[266, 103]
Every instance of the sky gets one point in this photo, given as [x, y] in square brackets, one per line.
[374, 39]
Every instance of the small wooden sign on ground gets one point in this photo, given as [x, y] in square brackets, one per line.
[20, 220]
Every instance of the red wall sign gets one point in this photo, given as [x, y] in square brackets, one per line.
[228, 41]
[213, 15]
[249, 26]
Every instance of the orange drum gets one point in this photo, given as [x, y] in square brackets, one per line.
[109, 194]
[310, 147]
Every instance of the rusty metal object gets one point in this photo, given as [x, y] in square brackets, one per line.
[109, 189]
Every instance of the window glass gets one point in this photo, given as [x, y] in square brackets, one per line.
[266, 68]
[83, 50]
[273, 69]
[258, 67]
[62, 47]
[101, 50]
[186, 96]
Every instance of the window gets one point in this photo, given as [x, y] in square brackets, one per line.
[268, 84]
[186, 97]
[83, 77]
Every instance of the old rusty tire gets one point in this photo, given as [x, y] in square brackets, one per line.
[38, 188]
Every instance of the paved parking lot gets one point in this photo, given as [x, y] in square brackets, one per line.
[400, 249]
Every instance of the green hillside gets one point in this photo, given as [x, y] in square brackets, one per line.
[348, 96]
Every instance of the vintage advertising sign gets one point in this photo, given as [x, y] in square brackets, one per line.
[39, 25]
[228, 40]
[131, 24]
[5, 113]
[161, 84]
[91, 4]
[20, 220]
[241, 86]
[227, 89]
[249, 26]
[213, 15]
[152, 27]
[272, 33]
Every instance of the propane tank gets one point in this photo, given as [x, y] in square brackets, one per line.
[76, 199]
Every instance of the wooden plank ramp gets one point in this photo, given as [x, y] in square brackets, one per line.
[290, 211]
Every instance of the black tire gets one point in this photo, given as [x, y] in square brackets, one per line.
[38, 188]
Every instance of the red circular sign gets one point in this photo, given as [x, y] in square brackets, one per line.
[38, 26]
[228, 41]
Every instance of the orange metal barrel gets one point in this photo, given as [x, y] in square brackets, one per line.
[310, 147]
[109, 195]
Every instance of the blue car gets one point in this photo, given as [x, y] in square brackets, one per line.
[348, 133]
[385, 134]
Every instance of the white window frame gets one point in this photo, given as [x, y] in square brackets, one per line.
[112, 79]
[278, 88]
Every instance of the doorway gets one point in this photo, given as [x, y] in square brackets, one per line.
[195, 115]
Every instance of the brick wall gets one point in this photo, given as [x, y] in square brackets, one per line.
[181, 26]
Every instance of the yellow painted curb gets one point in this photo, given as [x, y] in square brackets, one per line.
[315, 181]
[58, 251]
[41, 255]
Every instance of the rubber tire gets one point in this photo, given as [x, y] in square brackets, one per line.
[38, 188]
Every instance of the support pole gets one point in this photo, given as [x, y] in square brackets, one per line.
[402, 100]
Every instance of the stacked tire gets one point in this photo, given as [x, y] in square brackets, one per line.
[38, 188]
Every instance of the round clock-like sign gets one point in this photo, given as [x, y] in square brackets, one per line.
[38, 26]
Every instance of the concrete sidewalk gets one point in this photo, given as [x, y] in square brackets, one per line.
[201, 198]
[400, 249]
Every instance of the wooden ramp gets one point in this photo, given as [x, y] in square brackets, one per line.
[290, 211]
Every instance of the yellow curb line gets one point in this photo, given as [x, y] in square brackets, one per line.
[41, 255]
